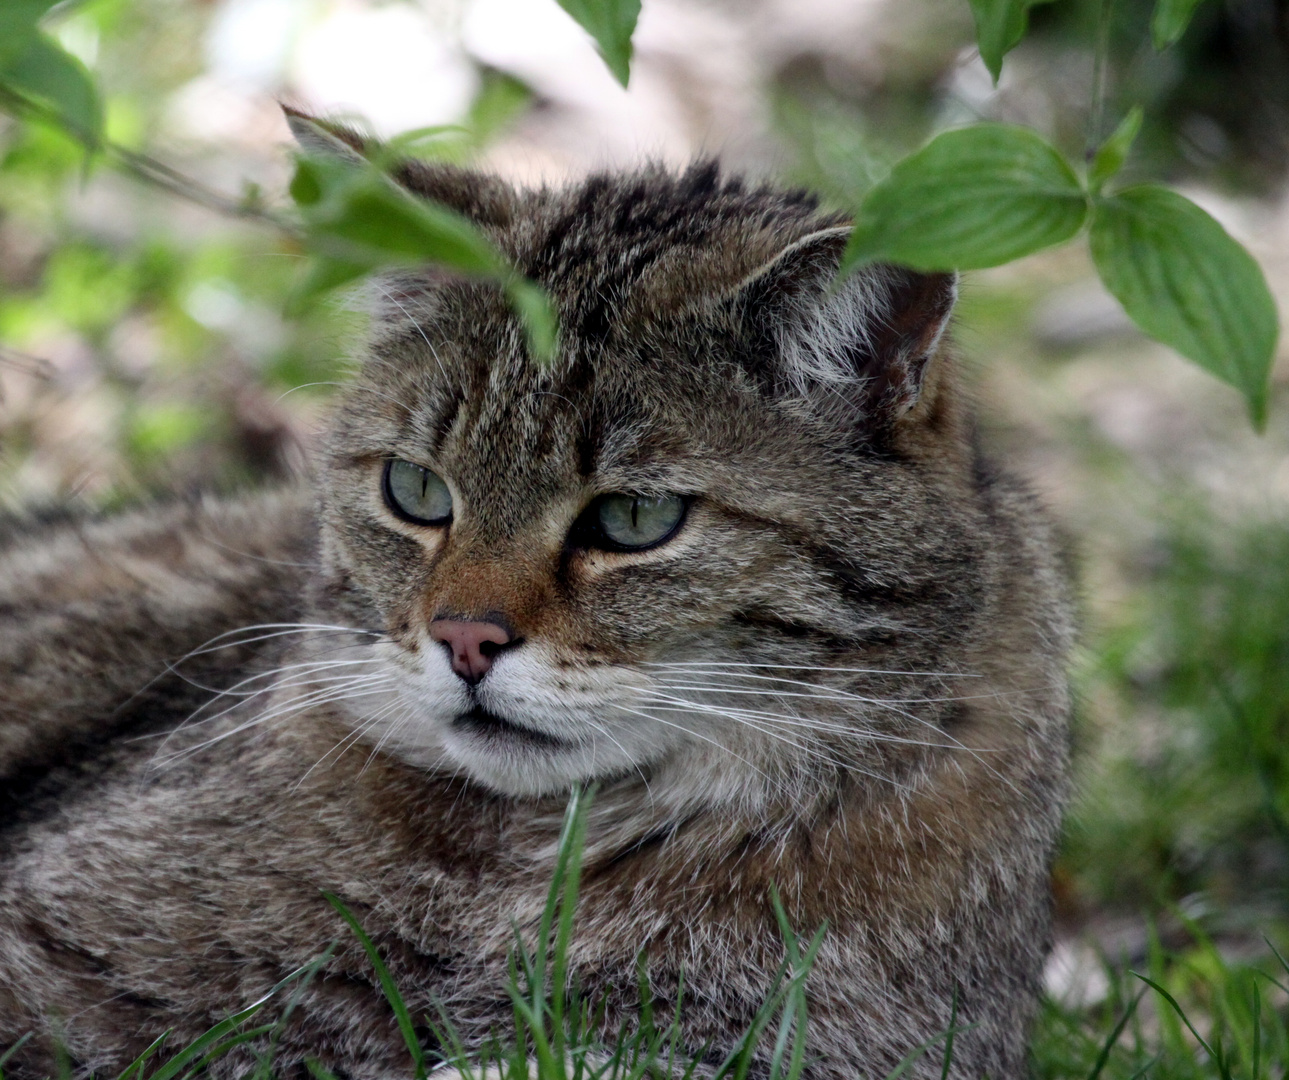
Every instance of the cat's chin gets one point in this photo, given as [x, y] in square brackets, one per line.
[520, 761]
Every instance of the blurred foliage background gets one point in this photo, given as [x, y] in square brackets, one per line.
[145, 351]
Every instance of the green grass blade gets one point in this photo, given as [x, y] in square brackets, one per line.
[533, 1021]
[4, 1058]
[576, 836]
[1172, 1001]
[1257, 1032]
[1147, 1067]
[541, 949]
[738, 1061]
[445, 1034]
[223, 1047]
[319, 1071]
[136, 1066]
[1113, 1037]
[307, 974]
[392, 995]
[199, 1046]
[673, 1043]
[948, 1043]
[786, 1022]
[1276, 952]
[911, 1058]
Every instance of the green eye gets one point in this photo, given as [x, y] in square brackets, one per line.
[416, 494]
[631, 522]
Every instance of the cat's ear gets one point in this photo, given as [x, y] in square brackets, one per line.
[867, 341]
[326, 138]
[484, 199]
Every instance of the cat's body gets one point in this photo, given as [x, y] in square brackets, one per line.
[840, 674]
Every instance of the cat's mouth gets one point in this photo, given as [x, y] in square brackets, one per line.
[480, 721]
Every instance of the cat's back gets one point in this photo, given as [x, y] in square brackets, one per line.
[123, 624]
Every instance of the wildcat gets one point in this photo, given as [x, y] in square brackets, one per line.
[735, 555]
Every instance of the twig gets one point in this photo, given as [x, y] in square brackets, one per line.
[1096, 116]
[146, 169]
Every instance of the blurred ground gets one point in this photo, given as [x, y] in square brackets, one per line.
[144, 349]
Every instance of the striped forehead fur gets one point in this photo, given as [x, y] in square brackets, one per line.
[620, 253]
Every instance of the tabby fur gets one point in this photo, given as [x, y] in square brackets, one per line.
[843, 679]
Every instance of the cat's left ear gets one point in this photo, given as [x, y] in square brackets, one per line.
[868, 340]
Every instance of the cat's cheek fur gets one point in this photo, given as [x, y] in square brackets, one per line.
[426, 696]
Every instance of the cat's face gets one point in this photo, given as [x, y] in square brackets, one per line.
[671, 555]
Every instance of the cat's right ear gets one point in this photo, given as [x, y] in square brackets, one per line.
[325, 138]
[484, 199]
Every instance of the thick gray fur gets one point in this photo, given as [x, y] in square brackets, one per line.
[844, 678]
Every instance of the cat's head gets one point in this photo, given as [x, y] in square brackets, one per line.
[715, 545]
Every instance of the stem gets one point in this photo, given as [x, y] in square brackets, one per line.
[147, 170]
[1100, 58]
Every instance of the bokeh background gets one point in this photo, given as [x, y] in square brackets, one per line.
[145, 348]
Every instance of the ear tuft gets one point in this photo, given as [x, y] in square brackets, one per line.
[866, 341]
[326, 138]
[486, 200]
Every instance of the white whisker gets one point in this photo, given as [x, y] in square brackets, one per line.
[351, 739]
[827, 755]
[809, 725]
[720, 665]
[698, 735]
[360, 686]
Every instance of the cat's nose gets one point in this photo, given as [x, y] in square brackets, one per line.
[473, 645]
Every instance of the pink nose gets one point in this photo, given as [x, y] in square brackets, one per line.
[473, 645]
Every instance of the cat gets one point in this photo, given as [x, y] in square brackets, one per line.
[735, 556]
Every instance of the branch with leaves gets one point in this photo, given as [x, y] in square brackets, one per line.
[987, 194]
[973, 197]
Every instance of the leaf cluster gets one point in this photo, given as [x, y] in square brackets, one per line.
[984, 195]
[35, 70]
[357, 221]
[976, 197]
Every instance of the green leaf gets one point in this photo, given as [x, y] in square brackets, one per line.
[306, 184]
[18, 19]
[161, 428]
[1169, 22]
[611, 23]
[1000, 25]
[321, 275]
[501, 99]
[1112, 153]
[357, 221]
[541, 324]
[43, 70]
[356, 213]
[1185, 282]
[976, 197]
[387, 985]
[440, 142]
[376, 217]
